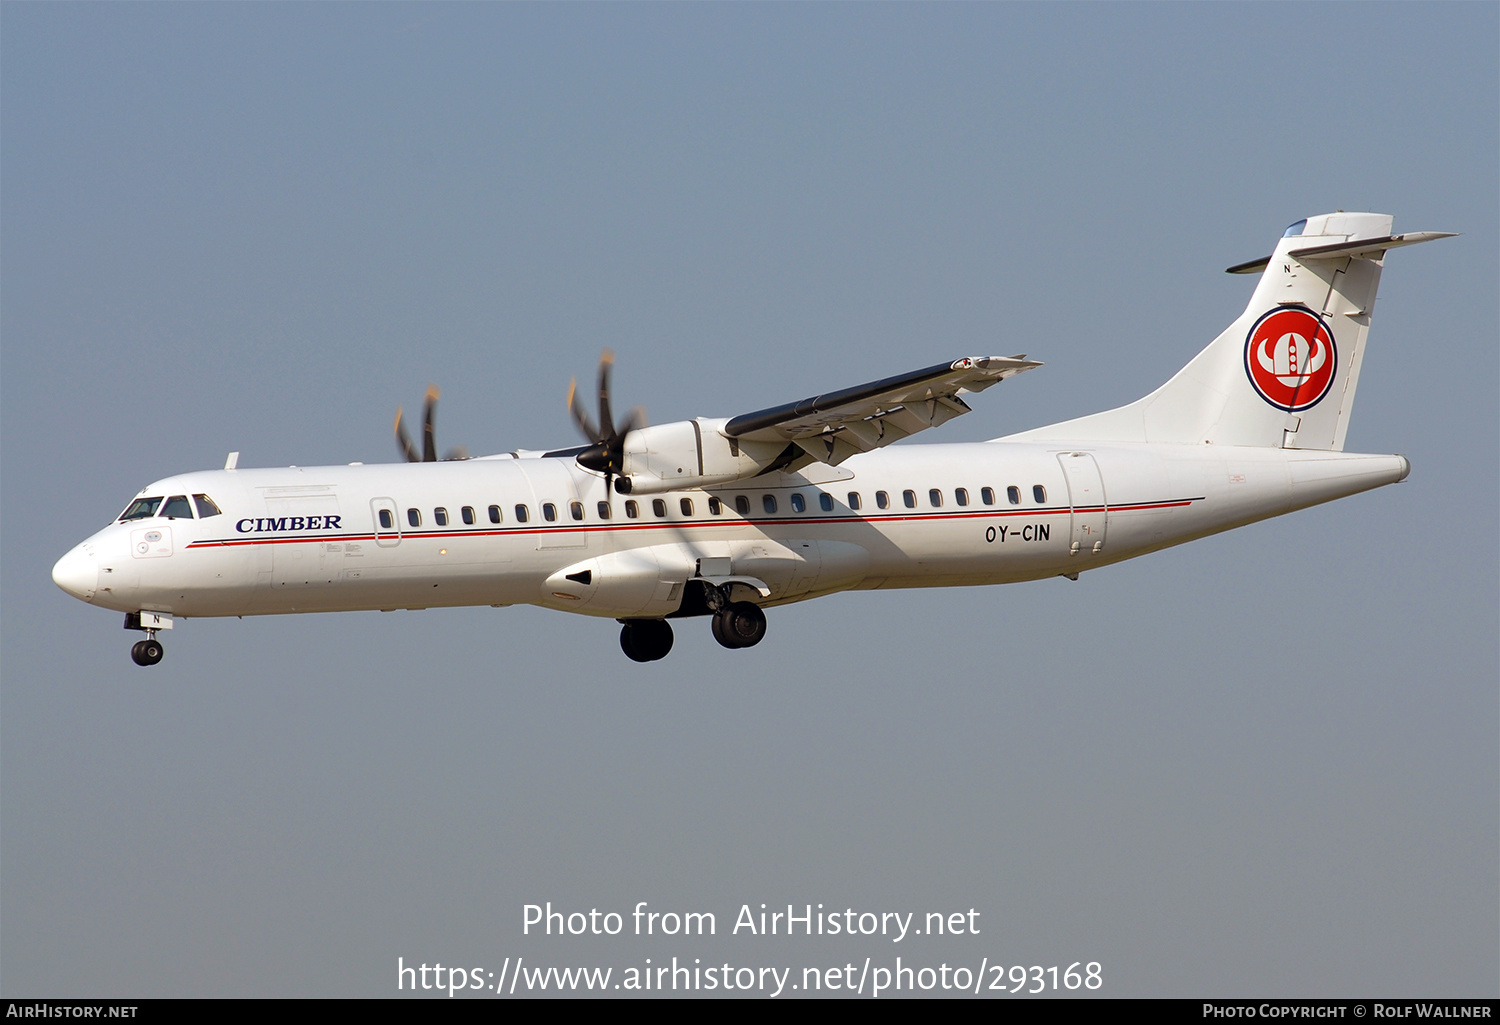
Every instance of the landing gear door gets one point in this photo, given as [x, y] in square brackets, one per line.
[387, 523]
[1086, 496]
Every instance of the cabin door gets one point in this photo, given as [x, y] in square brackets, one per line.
[1086, 496]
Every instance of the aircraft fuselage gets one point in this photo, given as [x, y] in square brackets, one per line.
[346, 538]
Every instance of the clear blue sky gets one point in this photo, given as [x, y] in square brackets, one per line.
[1263, 763]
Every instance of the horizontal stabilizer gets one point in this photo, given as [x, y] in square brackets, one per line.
[1360, 249]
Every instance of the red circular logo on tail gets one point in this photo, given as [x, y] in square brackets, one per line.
[1290, 358]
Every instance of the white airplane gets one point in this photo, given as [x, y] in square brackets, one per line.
[727, 517]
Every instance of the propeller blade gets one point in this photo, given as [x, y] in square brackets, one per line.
[634, 421]
[429, 441]
[429, 437]
[606, 416]
[580, 415]
[403, 442]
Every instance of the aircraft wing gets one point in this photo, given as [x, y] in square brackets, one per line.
[835, 426]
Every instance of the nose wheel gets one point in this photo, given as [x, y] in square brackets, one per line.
[147, 652]
[739, 624]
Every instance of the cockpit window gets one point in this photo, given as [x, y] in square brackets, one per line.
[177, 506]
[142, 508]
[1295, 229]
[206, 507]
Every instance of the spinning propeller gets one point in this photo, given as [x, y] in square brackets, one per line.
[606, 451]
[429, 442]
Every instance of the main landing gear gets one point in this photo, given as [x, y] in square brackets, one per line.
[739, 624]
[646, 640]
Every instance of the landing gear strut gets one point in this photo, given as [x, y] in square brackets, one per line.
[645, 640]
[147, 652]
[739, 624]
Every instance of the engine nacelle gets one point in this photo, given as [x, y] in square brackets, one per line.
[691, 454]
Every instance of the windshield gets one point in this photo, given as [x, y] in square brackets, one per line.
[142, 508]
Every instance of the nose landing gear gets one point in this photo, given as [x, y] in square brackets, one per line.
[147, 652]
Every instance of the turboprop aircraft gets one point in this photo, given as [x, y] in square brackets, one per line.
[724, 518]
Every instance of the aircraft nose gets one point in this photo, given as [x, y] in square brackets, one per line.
[78, 573]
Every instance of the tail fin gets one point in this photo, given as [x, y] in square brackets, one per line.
[1283, 375]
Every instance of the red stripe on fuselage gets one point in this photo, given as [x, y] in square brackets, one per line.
[678, 524]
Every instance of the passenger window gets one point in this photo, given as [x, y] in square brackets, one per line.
[549, 512]
[825, 502]
[387, 521]
[494, 514]
[988, 494]
[798, 505]
[854, 499]
[686, 505]
[742, 505]
[961, 496]
[658, 507]
[177, 507]
[468, 514]
[440, 516]
[768, 502]
[1014, 494]
[882, 499]
[522, 514]
[206, 507]
[575, 509]
[414, 517]
[935, 498]
[632, 510]
[909, 498]
[1039, 493]
[142, 508]
[715, 507]
[604, 510]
